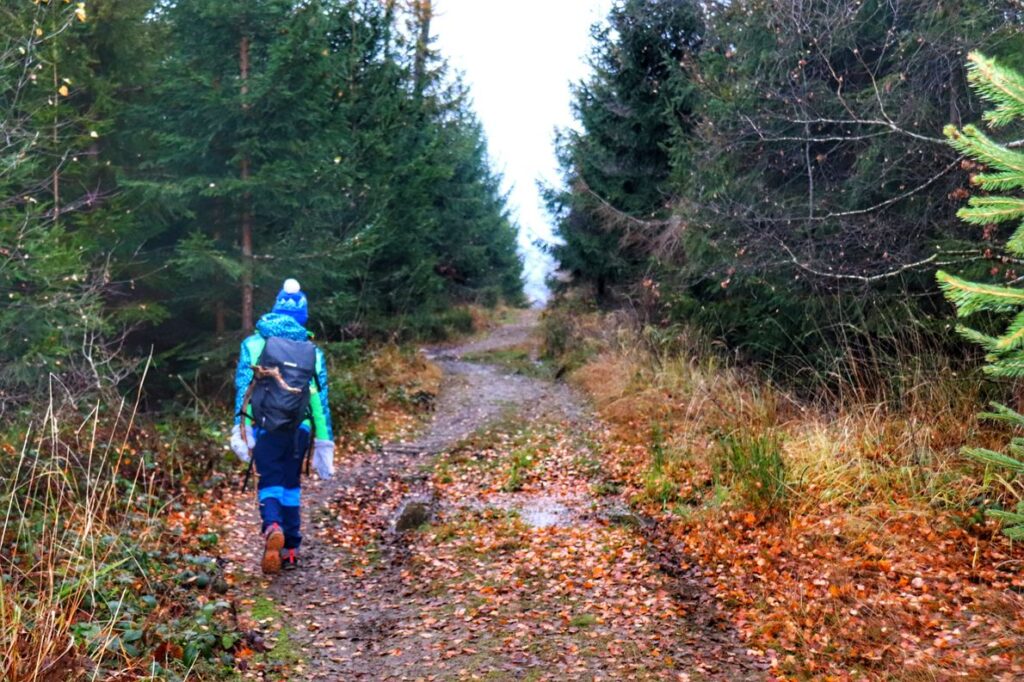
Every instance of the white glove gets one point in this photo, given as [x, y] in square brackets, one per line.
[242, 446]
[323, 458]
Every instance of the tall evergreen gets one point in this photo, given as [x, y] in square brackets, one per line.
[60, 215]
[783, 185]
[1003, 176]
[212, 123]
[819, 176]
[166, 163]
[341, 150]
[637, 102]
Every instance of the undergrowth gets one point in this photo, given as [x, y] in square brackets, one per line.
[827, 520]
[95, 583]
[108, 561]
[704, 419]
[753, 466]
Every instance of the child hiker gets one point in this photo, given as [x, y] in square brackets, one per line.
[281, 385]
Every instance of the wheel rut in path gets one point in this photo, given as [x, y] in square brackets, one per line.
[519, 584]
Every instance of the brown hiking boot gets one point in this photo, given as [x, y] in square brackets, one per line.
[273, 543]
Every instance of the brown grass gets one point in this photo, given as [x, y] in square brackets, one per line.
[878, 496]
[857, 451]
[394, 366]
[59, 502]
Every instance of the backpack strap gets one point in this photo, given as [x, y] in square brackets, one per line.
[254, 345]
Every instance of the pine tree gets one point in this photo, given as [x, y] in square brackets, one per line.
[236, 126]
[346, 153]
[1003, 176]
[57, 214]
[637, 102]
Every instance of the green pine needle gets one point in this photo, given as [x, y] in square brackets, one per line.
[1006, 368]
[989, 343]
[1003, 413]
[972, 297]
[998, 85]
[973, 143]
[1013, 337]
[1006, 516]
[1014, 533]
[1005, 89]
[987, 456]
[1015, 244]
[992, 209]
[999, 182]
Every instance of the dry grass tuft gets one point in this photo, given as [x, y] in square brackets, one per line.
[63, 500]
[393, 365]
[848, 452]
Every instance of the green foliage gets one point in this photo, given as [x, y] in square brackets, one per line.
[147, 142]
[802, 193]
[562, 341]
[381, 195]
[637, 102]
[350, 401]
[753, 466]
[54, 212]
[520, 461]
[1003, 87]
[89, 555]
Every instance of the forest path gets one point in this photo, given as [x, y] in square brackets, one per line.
[516, 568]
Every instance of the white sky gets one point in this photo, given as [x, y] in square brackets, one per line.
[518, 58]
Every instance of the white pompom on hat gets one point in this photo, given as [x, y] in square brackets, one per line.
[291, 286]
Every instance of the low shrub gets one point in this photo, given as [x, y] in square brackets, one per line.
[660, 486]
[95, 582]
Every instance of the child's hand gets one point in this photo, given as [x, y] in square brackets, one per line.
[323, 458]
[242, 447]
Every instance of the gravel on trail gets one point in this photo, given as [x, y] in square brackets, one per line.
[376, 601]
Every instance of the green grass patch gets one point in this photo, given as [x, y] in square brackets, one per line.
[660, 480]
[583, 620]
[752, 465]
[520, 462]
[606, 488]
[516, 360]
[285, 651]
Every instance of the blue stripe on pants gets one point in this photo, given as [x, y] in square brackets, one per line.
[274, 491]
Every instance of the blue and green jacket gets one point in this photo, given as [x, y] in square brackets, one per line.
[284, 326]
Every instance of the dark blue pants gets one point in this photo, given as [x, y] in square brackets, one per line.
[279, 457]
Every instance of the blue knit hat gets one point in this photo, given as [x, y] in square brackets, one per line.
[291, 301]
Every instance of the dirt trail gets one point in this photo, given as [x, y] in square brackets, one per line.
[532, 581]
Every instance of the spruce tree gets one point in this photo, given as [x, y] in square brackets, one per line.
[1004, 178]
[365, 173]
[56, 211]
[638, 101]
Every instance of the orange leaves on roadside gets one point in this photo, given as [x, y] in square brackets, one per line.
[850, 589]
[167, 651]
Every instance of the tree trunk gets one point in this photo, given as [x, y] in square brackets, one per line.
[56, 137]
[424, 13]
[220, 319]
[246, 223]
